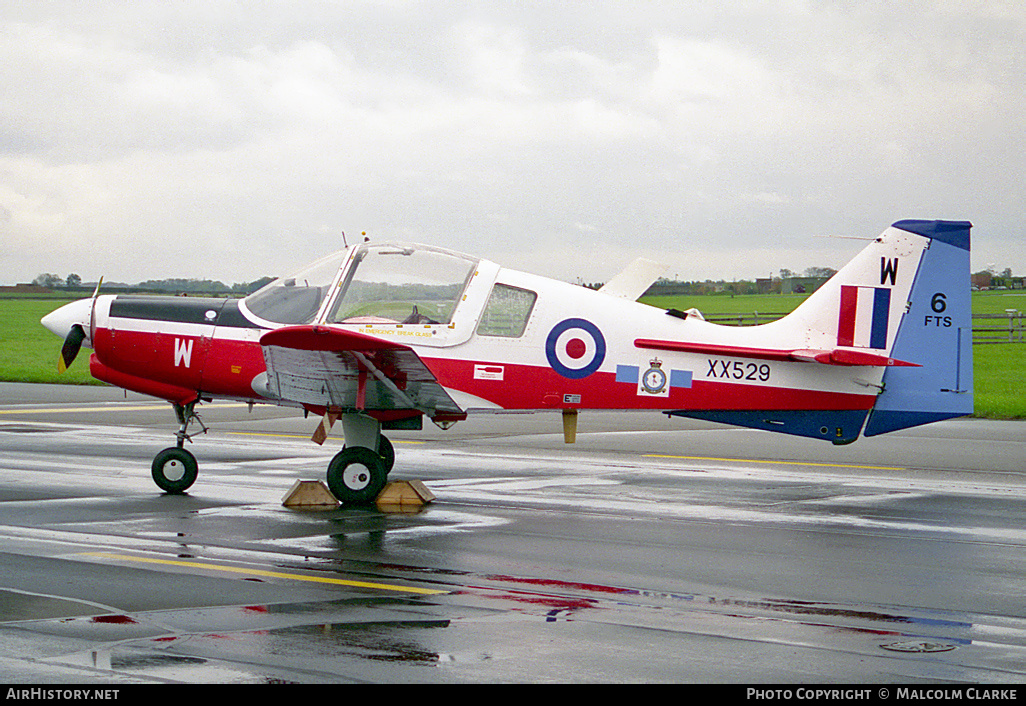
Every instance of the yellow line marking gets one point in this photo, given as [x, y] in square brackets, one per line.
[268, 574]
[110, 408]
[307, 436]
[65, 410]
[779, 463]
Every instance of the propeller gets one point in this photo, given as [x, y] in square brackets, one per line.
[71, 347]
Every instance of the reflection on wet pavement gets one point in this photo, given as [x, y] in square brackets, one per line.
[453, 636]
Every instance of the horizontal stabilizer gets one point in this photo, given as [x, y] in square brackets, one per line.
[837, 356]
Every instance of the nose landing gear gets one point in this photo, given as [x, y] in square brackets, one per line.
[174, 469]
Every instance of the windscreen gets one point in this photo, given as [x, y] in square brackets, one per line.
[296, 299]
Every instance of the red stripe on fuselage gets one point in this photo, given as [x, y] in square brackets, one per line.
[172, 358]
[231, 366]
[222, 367]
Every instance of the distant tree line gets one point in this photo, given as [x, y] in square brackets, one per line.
[169, 286]
[205, 286]
[787, 282]
[52, 281]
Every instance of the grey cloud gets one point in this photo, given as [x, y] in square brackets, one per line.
[228, 141]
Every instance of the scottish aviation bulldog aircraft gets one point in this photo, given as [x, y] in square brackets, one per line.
[381, 336]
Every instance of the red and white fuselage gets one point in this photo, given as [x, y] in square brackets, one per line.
[398, 331]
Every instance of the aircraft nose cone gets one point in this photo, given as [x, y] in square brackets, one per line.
[60, 321]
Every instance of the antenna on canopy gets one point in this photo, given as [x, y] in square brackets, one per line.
[344, 243]
[365, 238]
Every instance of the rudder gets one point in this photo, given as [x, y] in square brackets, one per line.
[935, 332]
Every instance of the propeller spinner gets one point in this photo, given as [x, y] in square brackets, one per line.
[70, 322]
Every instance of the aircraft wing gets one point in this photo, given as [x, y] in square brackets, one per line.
[325, 367]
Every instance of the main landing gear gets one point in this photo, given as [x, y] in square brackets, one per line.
[356, 475]
[359, 471]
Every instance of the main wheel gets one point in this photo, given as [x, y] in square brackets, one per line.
[174, 470]
[387, 453]
[356, 475]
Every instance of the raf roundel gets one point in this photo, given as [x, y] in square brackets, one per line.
[575, 348]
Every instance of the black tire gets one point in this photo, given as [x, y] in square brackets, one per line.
[387, 453]
[356, 476]
[174, 470]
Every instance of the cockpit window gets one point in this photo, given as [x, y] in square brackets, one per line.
[398, 284]
[507, 312]
[296, 299]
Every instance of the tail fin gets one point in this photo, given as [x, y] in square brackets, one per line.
[935, 332]
[896, 319]
[905, 301]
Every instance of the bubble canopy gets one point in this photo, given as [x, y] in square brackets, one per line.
[384, 283]
[402, 284]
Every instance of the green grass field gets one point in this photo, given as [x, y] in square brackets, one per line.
[999, 369]
[722, 304]
[990, 302]
[28, 352]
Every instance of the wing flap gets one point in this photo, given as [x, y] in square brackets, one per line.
[339, 369]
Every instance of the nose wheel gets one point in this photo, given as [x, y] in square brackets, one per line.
[174, 470]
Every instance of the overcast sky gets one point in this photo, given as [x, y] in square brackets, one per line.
[230, 140]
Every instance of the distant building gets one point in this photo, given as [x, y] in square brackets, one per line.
[801, 285]
[26, 289]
